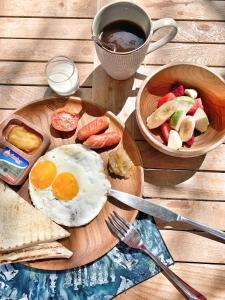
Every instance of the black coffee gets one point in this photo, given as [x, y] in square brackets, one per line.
[122, 36]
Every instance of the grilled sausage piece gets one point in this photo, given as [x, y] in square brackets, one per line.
[106, 139]
[95, 126]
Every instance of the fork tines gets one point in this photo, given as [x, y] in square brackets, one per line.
[118, 225]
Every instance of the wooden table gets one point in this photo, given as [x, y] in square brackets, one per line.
[33, 31]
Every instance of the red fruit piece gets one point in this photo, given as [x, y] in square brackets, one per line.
[178, 90]
[191, 141]
[165, 99]
[197, 104]
[64, 120]
[165, 129]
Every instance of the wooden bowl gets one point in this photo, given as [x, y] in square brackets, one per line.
[211, 89]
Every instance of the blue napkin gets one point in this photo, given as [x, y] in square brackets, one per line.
[115, 272]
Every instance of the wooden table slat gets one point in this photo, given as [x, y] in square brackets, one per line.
[188, 31]
[152, 158]
[22, 95]
[82, 51]
[199, 10]
[184, 185]
[208, 212]
[187, 246]
[50, 8]
[33, 73]
[206, 278]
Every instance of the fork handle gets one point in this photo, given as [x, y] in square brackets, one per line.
[188, 292]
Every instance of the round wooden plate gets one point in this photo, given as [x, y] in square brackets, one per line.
[95, 239]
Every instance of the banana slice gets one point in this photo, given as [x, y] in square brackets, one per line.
[174, 140]
[191, 93]
[187, 127]
[161, 114]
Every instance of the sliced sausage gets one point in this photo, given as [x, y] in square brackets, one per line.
[106, 139]
[95, 126]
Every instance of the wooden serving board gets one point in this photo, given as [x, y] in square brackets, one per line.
[93, 240]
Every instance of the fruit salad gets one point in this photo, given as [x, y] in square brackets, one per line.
[180, 115]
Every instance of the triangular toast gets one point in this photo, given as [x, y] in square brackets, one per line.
[22, 225]
[37, 252]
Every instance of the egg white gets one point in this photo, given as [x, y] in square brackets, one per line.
[87, 166]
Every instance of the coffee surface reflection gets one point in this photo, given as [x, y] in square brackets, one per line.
[122, 36]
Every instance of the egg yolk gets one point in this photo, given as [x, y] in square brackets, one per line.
[43, 174]
[65, 186]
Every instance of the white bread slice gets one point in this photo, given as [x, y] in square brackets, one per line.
[22, 225]
[37, 252]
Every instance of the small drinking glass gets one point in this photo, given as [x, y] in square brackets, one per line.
[62, 75]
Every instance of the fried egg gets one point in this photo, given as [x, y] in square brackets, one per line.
[69, 185]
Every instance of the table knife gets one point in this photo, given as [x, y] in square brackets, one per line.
[162, 212]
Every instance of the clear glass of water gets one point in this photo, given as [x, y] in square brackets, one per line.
[62, 75]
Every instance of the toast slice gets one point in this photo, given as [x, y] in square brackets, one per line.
[37, 252]
[22, 225]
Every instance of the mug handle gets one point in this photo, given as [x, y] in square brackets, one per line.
[166, 22]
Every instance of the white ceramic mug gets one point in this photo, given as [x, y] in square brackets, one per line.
[122, 65]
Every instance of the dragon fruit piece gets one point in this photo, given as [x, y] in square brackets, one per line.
[178, 90]
[191, 141]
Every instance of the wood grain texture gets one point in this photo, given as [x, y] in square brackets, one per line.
[198, 32]
[50, 8]
[152, 158]
[16, 96]
[198, 9]
[184, 185]
[33, 73]
[206, 278]
[193, 247]
[91, 241]
[82, 51]
[45, 28]
[197, 53]
[197, 210]
[188, 31]
[40, 50]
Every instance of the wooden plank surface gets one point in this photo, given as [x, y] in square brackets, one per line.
[17, 96]
[186, 246]
[206, 278]
[50, 8]
[43, 50]
[155, 159]
[82, 51]
[188, 31]
[209, 212]
[33, 73]
[184, 185]
[199, 9]
[183, 9]
[31, 34]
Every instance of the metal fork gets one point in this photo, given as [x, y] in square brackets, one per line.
[130, 236]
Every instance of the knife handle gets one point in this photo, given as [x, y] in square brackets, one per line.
[212, 231]
[189, 292]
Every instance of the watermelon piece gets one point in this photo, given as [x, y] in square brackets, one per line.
[197, 104]
[165, 99]
[191, 141]
[165, 129]
[178, 90]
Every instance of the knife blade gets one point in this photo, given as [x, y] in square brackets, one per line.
[162, 212]
[145, 206]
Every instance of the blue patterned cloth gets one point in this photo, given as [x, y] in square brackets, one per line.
[115, 272]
